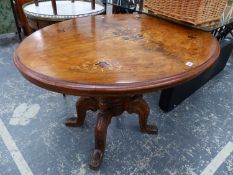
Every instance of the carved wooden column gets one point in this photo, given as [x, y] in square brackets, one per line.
[110, 107]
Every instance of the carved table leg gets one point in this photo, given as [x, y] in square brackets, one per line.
[82, 106]
[110, 107]
[139, 106]
[101, 128]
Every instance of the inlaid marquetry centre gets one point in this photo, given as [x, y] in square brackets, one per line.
[102, 65]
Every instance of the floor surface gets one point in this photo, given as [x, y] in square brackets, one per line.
[195, 138]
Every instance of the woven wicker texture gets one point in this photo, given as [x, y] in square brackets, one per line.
[192, 11]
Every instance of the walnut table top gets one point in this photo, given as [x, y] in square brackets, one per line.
[118, 53]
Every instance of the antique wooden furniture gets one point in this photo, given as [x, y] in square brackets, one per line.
[111, 61]
[43, 13]
[21, 16]
[16, 19]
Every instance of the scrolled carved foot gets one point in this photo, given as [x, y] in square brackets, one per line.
[104, 119]
[96, 159]
[150, 129]
[139, 106]
[72, 122]
[82, 106]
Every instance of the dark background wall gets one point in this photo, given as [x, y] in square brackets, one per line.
[7, 24]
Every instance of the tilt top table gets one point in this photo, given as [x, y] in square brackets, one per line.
[111, 61]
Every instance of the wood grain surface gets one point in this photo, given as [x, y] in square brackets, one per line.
[116, 54]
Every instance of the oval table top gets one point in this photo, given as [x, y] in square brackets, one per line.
[116, 54]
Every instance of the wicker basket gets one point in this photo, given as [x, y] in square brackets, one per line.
[192, 11]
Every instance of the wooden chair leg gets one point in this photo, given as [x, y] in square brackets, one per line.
[16, 20]
[93, 4]
[54, 5]
[36, 2]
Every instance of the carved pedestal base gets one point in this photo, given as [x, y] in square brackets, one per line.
[110, 107]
